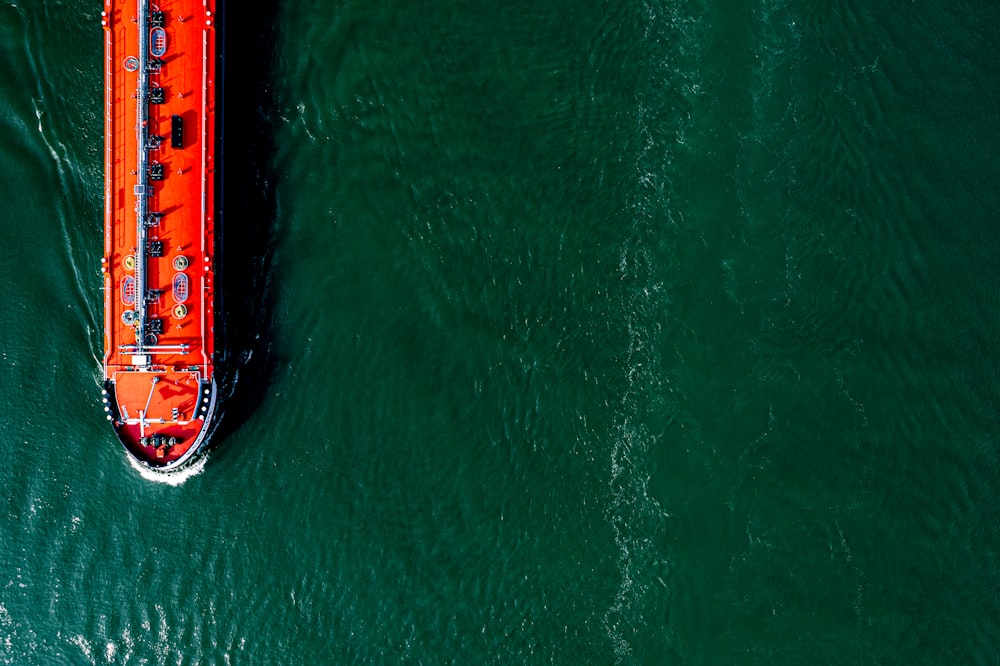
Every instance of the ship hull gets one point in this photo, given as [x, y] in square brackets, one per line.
[160, 390]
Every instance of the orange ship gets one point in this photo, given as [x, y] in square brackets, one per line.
[159, 229]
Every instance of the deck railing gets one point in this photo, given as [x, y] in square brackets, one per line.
[142, 187]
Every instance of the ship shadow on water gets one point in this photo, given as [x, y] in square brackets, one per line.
[248, 212]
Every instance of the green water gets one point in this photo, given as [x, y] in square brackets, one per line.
[573, 333]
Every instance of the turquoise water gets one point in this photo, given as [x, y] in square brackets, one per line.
[604, 333]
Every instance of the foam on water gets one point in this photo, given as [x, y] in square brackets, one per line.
[174, 479]
[85, 647]
[17, 642]
[664, 45]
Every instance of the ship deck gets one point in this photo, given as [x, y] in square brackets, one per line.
[159, 251]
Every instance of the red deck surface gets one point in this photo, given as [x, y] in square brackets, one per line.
[159, 390]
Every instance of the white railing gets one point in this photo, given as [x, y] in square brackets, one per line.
[142, 172]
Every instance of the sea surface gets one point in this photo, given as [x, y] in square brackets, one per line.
[560, 332]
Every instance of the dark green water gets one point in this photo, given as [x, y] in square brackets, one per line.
[591, 333]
